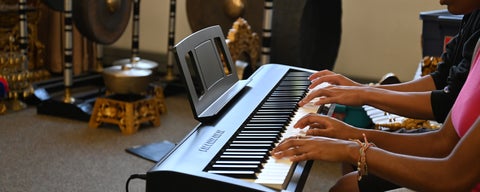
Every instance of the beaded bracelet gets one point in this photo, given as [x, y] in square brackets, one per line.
[362, 161]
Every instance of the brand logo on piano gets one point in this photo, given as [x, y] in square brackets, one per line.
[211, 141]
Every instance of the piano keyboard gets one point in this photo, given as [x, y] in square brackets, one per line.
[392, 122]
[246, 155]
[381, 117]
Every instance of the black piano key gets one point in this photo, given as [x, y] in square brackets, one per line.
[263, 153]
[273, 112]
[253, 142]
[260, 158]
[243, 162]
[257, 137]
[273, 135]
[289, 91]
[243, 145]
[247, 164]
[280, 99]
[280, 106]
[236, 167]
[280, 103]
[276, 125]
[298, 74]
[295, 83]
[272, 116]
[236, 174]
[232, 162]
[242, 157]
[280, 93]
[284, 99]
[292, 88]
[296, 78]
[269, 121]
[259, 132]
[277, 129]
[247, 149]
[289, 112]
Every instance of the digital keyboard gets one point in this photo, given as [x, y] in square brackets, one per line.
[231, 152]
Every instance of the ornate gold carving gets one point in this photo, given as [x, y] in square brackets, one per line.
[128, 115]
[241, 40]
[160, 99]
[11, 69]
[9, 26]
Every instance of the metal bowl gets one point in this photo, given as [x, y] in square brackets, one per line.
[139, 63]
[125, 79]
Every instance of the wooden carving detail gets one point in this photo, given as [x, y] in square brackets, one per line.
[241, 40]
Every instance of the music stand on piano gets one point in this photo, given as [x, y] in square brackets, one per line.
[208, 71]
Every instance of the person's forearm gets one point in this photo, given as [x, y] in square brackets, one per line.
[415, 105]
[429, 144]
[416, 173]
[424, 83]
[459, 171]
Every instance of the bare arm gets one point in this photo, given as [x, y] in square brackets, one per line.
[459, 170]
[430, 144]
[421, 84]
[424, 83]
[408, 104]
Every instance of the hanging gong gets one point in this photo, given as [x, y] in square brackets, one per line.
[206, 13]
[57, 5]
[102, 21]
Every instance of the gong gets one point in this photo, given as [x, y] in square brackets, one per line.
[102, 21]
[57, 5]
[207, 13]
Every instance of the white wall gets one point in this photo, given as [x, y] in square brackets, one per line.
[379, 36]
[154, 16]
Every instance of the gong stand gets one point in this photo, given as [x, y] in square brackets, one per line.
[21, 84]
[171, 41]
[171, 83]
[68, 50]
[68, 106]
[22, 10]
[267, 31]
[135, 61]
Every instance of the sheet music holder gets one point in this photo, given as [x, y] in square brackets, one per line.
[209, 73]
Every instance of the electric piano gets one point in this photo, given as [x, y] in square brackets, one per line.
[240, 122]
[231, 153]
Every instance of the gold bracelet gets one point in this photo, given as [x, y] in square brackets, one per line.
[362, 161]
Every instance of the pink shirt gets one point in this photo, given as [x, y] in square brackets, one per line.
[466, 109]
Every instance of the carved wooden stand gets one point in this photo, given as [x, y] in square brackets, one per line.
[128, 112]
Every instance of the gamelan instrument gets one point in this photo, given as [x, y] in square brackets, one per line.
[100, 21]
[131, 75]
